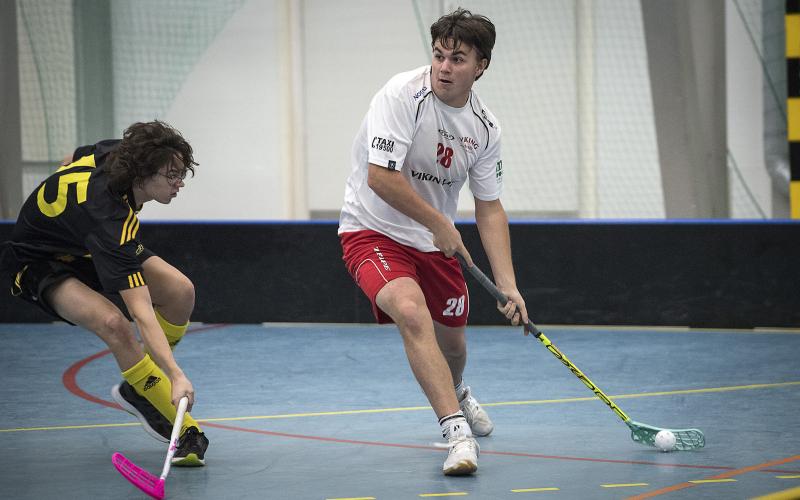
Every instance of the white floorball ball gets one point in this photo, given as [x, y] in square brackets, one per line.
[665, 440]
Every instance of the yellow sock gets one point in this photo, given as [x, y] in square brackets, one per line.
[174, 333]
[149, 381]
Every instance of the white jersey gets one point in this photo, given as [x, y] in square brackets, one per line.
[434, 146]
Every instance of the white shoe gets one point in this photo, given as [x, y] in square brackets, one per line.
[476, 416]
[464, 450]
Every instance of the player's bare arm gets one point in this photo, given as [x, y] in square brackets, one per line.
[394, 189]
[492, 223]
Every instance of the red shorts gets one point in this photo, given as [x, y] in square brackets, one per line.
[374, 260]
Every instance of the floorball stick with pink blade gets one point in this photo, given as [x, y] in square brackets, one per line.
[145, 481]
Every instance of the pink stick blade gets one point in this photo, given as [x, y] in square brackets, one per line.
[139, 477]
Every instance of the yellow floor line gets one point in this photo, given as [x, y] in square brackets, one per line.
[420, 408]
[794, 476]
[353, 498]
[516, 403]
[790, 494]
[453, 494]
[704, 481]
[628, 485]
[533, 490]
[651, 394]
[69, 427]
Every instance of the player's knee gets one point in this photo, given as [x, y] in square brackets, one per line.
[454, 349]
[411, 316]
[184, 293]
[177, 303]
[117, 331]
[453, 355]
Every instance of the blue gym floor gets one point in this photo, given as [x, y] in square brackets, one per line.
[333, 412]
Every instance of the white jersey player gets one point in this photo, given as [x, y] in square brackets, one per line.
[425, 135]
[436, 147]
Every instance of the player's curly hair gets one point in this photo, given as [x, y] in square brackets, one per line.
[462, 26]
[144, 149]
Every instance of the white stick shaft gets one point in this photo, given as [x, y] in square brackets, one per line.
[176, 433]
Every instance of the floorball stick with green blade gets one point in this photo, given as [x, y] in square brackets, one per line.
[685, 439]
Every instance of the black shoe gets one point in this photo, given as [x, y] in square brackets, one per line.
[191, 449]
[154, 423]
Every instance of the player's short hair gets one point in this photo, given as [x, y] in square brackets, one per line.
[144, 149]
[462, 26]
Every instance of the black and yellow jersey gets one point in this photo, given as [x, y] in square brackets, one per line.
[74, 214]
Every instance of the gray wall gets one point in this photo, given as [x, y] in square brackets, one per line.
[271, 93]
[10, 149]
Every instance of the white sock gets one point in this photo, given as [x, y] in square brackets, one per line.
[454, 424]
[461, 389]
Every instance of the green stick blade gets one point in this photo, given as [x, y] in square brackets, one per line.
[685, 439]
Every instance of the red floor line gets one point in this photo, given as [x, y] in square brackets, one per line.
[69, 379]
[483, 452]
[318, 438]
[724, 475]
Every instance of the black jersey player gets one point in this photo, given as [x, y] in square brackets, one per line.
[76, 245]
